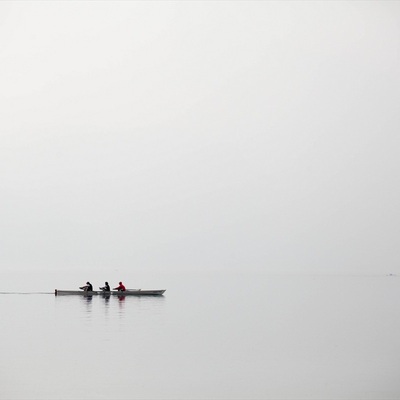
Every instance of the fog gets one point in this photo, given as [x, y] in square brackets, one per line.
[186, 136]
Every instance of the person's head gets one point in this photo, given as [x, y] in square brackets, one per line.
[87, 283]
[106, 283]
[120, 283]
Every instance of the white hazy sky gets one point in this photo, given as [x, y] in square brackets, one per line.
[200, 135]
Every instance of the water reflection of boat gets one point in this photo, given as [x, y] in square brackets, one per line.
[128, 292]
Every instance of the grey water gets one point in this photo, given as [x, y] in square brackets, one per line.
[211, 336]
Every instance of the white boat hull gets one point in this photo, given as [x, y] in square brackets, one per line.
[129, 292]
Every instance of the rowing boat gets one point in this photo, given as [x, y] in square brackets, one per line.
[128, 292]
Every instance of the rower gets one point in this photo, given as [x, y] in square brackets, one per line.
[87, 288]
[106, 287]
[120, 288]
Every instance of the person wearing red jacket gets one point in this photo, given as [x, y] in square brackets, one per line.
[120, 288]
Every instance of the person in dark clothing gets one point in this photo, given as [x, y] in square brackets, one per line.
[87, 288]
[106, 287]
[120, 288]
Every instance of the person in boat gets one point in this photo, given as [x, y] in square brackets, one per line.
[106, 287]
[87, 288]
[120, 288]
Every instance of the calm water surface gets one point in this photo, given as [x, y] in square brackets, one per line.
[212, 336]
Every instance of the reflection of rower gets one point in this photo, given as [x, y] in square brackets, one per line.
[120, 288]
[87, 288]
[106, 287]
